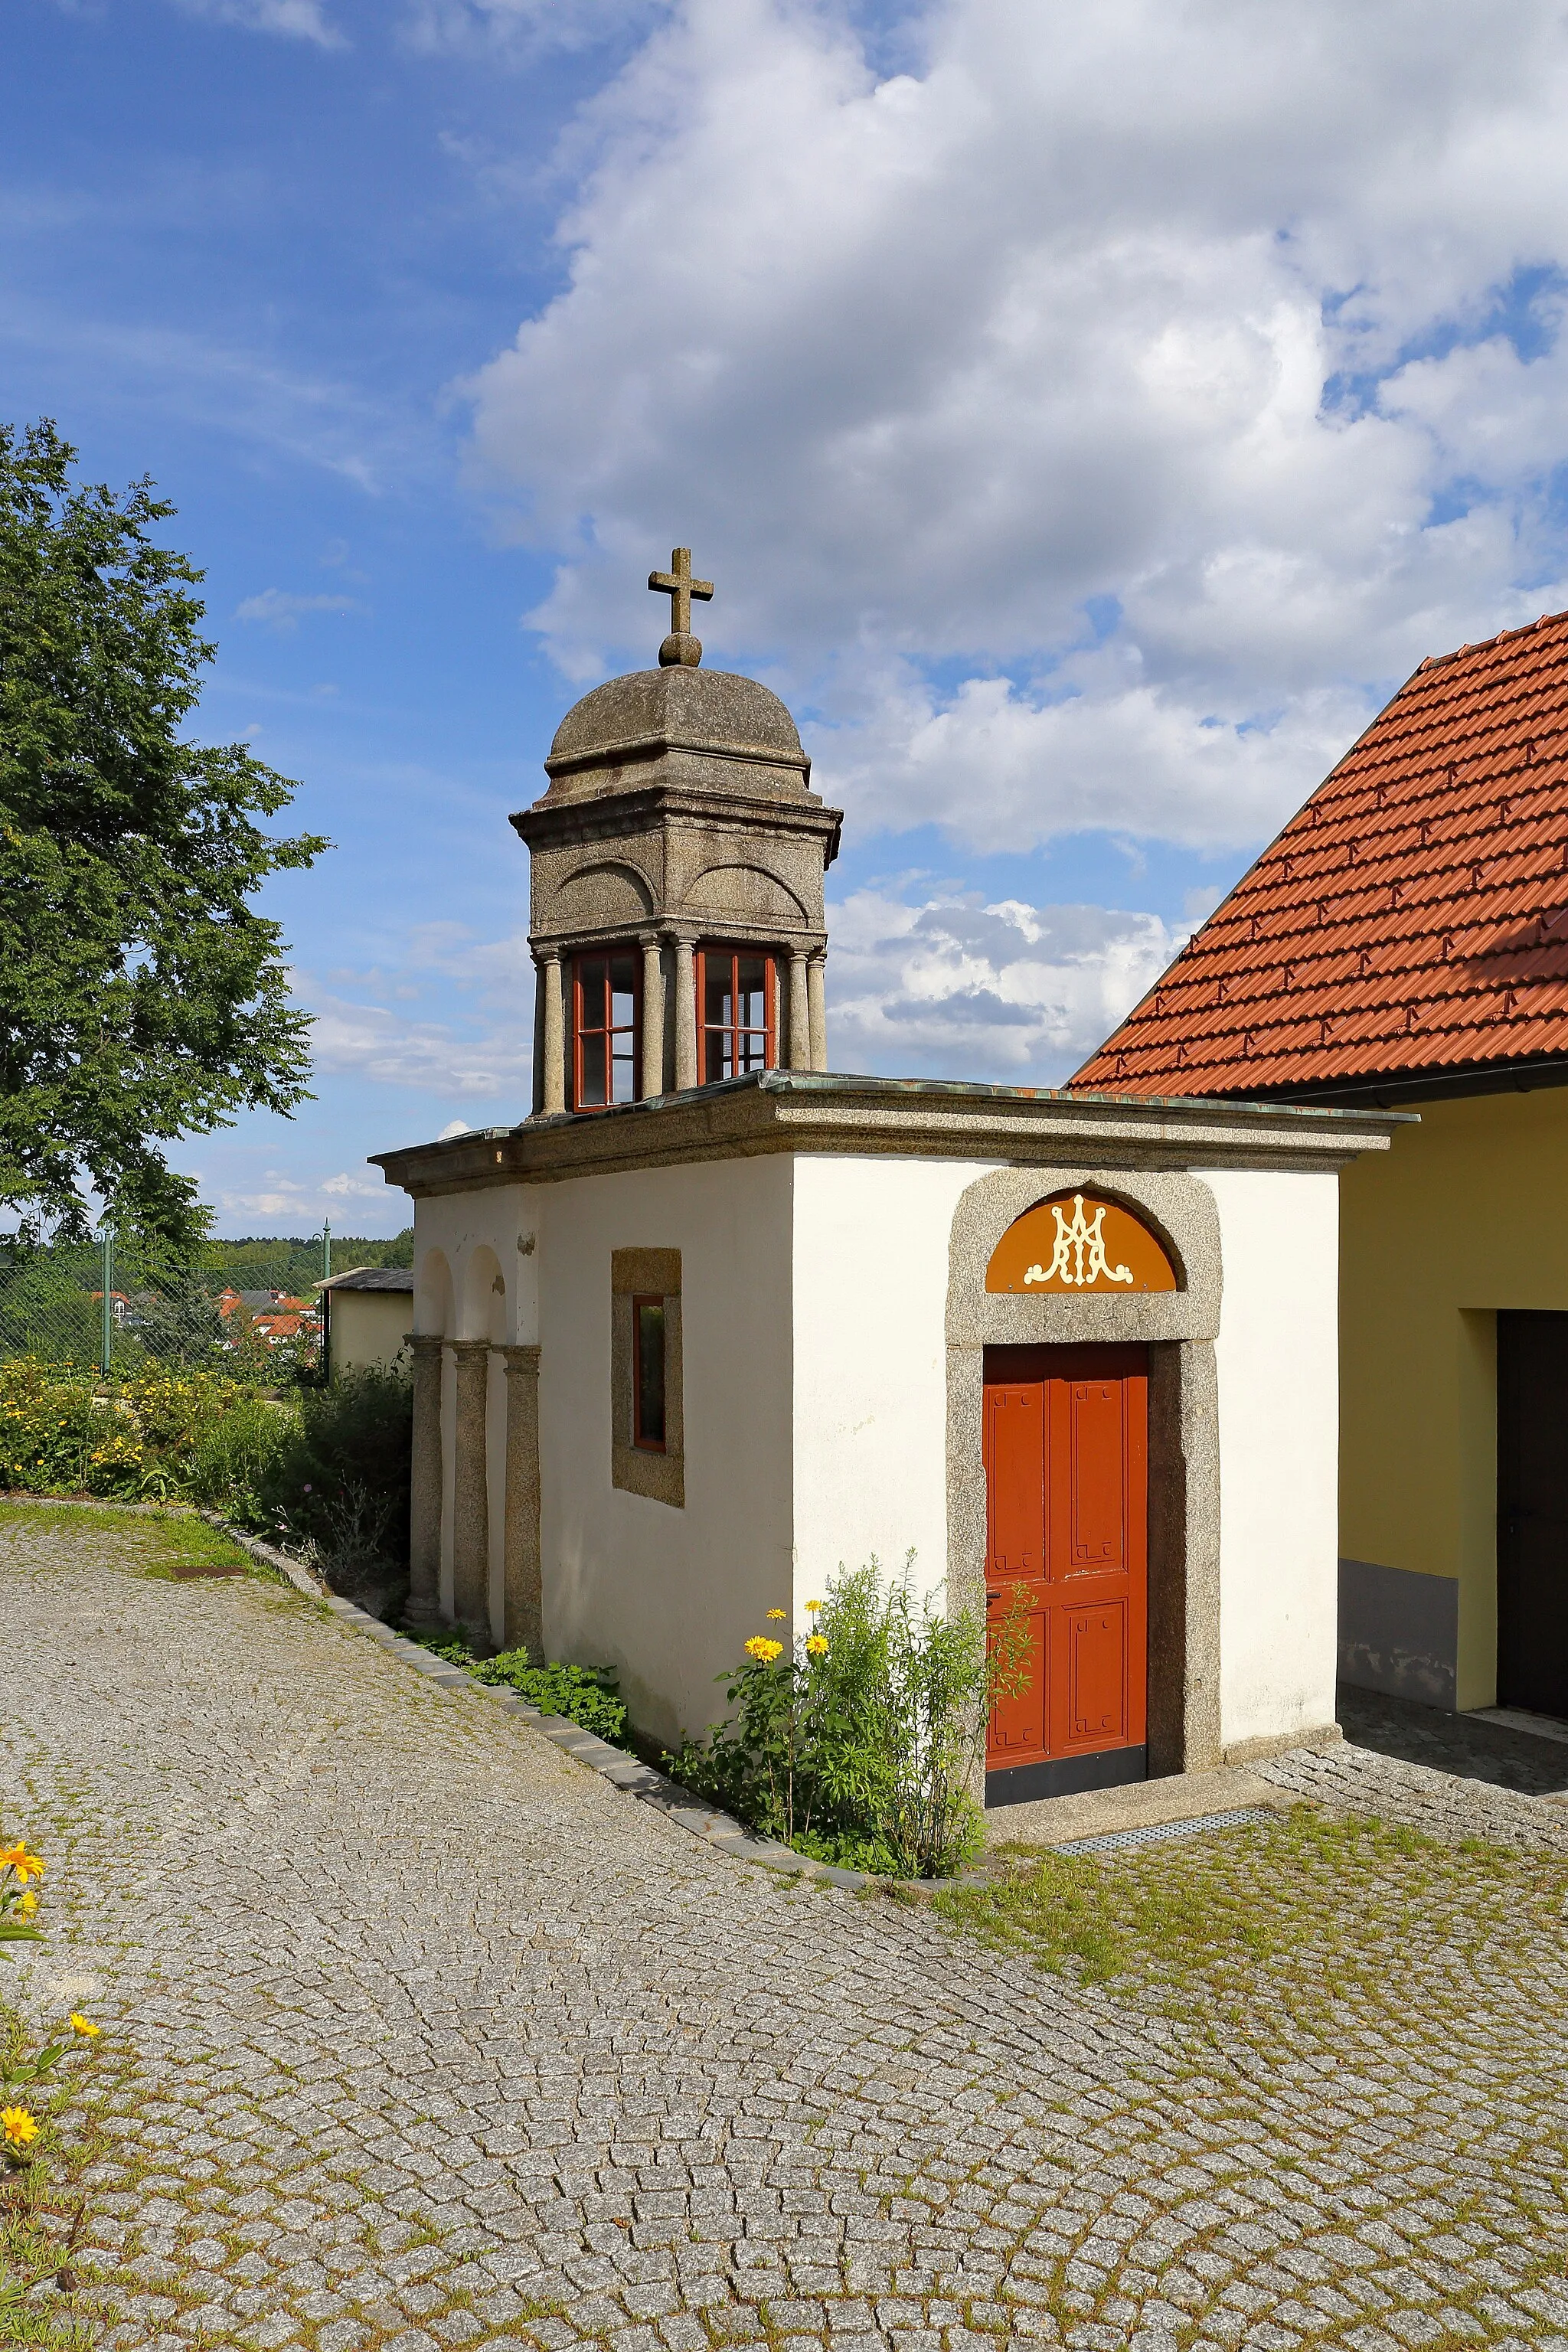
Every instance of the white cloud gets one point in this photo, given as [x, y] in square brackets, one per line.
[484, 1055]
[278, 610]
[1009, 769]
[454, 1126]
[381, 1044]
[300, 20]
[1154, 352]
[1008, 992]
[521, 27]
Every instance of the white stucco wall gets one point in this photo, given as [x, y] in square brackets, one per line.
[1277, 1360]
[814, 1294]
[667, 1595]
[871, 1364]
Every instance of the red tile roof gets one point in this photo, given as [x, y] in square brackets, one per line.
[1412, 918]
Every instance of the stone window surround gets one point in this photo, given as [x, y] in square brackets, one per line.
[660, 1477]
[1179, 1327]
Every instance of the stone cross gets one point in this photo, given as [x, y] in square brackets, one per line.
[677, 584]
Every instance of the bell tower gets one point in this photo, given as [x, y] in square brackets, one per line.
[676, 907]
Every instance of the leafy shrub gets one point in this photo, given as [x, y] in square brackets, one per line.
[148, 1440]
[328, 1472]
[49, 1426]
[337, 1487]
[231, 1457]
[857, 1742]
[587, 1695]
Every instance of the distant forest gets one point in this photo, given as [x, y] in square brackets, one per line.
[299, 1256]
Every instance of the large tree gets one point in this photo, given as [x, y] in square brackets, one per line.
[142, 996]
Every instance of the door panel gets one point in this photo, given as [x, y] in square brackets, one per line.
[1098, 1475]
[1532, 1512]
[1017, 1732]
[1066, 1442]
[1097, 1675]
[1015, 1501]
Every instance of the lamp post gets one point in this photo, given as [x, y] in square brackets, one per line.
[106, 1352]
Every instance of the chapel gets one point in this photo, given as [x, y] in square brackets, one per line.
[711, 1321]
[1403, 947]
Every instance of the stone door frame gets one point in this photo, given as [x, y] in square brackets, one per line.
[1180, 1327]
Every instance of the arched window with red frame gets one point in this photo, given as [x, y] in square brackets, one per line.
[737, 1012]
[607, 989]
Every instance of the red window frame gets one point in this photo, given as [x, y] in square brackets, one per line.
[605, 1027]
[648, 1443]
[709, 956]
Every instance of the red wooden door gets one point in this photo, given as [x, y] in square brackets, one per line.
[1066, 1442]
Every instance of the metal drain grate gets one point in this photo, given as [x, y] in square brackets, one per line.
[1118, 1840]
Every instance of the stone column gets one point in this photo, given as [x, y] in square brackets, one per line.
[685, 1015]
[471, 1493]
[523, 1625]
[651, 1081]
[425, 1492]
[816, 984]
[550, 977]
[799, 1055]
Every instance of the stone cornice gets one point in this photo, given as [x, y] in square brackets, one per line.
[637, 748]
[788, 1110]
[612, 813]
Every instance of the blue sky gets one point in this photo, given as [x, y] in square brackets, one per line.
[1087, 423]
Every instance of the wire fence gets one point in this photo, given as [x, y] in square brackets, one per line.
[250, 1308]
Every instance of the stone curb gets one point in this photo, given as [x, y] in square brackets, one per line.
[304, 1579]
[622, 1769]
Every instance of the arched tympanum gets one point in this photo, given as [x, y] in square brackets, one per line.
[1079, 1241]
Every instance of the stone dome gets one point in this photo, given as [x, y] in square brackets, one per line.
[736, 733]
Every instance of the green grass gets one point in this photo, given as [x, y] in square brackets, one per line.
[155, 1543]
[1213, 1910]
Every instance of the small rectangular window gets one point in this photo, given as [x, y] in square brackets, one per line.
[648, 1374]
[605, 1026]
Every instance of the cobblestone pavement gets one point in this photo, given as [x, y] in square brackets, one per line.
[442, 2040]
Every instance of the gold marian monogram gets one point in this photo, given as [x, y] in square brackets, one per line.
[1079, 1254]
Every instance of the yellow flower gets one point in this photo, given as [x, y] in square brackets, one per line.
[17, 2125]
[814, 1606]
[25, 1866]
[83, 2025]
[779, 1613]
[816, 1645]
[27, 1904]
[760, 1647]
